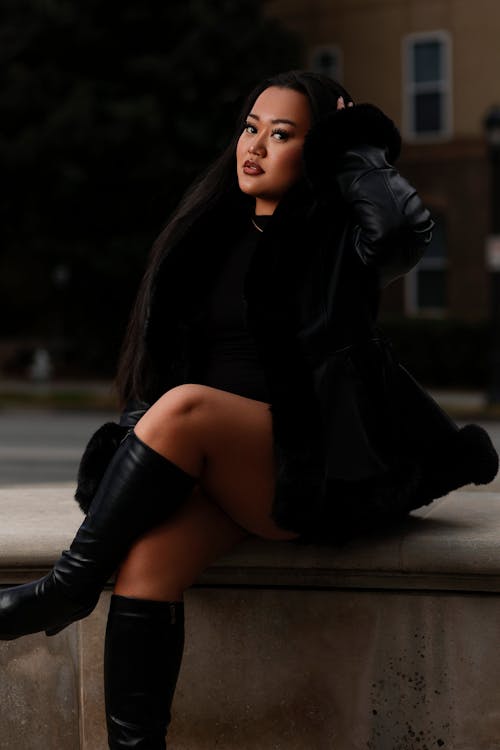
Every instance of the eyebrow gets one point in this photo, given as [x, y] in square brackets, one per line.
[275, 122]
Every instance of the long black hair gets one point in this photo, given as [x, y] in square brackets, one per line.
[216, 185]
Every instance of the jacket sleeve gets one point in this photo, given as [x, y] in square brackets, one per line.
[350, 155]
[392, 228]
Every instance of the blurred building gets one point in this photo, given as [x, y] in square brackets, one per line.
[434, 68]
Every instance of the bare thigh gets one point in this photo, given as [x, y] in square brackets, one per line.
[167, 560]
[226, 441]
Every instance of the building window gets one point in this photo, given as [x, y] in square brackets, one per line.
[426, 284]
[327, 59]
[427, 85]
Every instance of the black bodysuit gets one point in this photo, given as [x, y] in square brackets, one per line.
[229, 356]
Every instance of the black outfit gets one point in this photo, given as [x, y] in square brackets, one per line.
[228, 357]
[357, 442]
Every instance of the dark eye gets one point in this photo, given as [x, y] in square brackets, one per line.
[283, 135]
[249, 128]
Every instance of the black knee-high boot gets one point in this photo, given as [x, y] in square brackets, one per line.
[142, 658]
[139, 490]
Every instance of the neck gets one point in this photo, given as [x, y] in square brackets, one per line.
[264, 208]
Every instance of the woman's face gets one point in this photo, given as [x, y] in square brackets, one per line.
[269, 150]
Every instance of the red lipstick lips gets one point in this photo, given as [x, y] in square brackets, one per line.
[250, 167]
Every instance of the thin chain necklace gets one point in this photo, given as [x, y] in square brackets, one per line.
[256, 225]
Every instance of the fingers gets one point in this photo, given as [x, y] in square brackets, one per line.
[341, 103]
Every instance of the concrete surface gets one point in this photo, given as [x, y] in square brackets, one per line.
[452, 541]
[388, 643]
[275, 669]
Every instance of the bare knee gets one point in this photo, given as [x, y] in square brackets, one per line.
[185, 398]
[177, 403]
[172, 426]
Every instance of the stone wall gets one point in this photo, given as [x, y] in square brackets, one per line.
[388, 643]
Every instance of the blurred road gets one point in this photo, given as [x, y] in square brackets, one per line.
[45, 446]
[38, 446]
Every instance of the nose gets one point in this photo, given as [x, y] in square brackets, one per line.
[257, 147]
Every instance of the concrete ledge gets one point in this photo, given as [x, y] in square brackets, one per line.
[452, 544]
[388, 643]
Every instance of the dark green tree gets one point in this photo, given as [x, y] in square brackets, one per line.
[108, 110]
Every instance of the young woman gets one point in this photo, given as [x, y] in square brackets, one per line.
[261, 398]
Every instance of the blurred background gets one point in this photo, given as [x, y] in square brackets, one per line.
[108, 110]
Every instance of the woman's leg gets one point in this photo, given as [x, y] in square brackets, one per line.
[226, 441]
[167, 560]
[145, 631]
[140, 488]
[193, 433]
